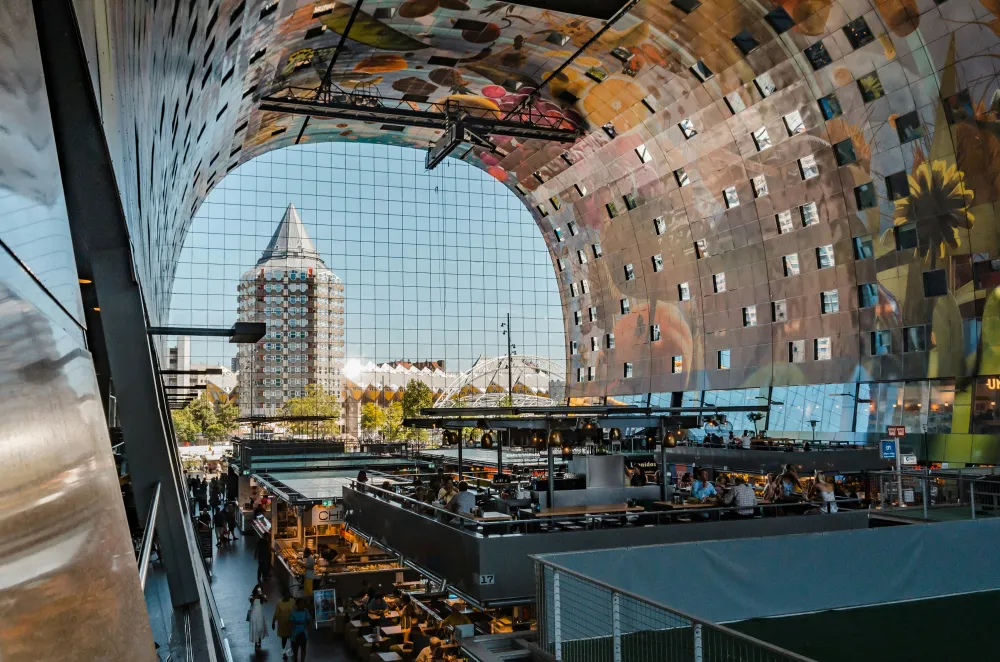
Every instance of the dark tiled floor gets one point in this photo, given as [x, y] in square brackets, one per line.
[233, 577]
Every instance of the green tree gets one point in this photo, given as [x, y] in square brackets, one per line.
[316, 402]
[202, 413]
[506, 401]
[417, 396]
[216, 432]
[184, 426]
[372, 418]
[226, 412]
[392, 427]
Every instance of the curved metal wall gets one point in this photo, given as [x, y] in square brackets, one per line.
[851, 94]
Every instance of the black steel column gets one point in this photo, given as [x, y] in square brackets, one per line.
[551, 489]
[101, 243]
[460, 442]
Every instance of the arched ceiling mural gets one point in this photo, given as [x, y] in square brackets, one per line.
[738, 211]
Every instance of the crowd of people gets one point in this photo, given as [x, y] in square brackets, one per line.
[784, 487]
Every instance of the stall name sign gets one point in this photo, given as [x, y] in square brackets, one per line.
[888, 449]
[322, 515]
[897, 430]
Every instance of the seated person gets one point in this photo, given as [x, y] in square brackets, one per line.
[464, 502]
[377, 603]
[430, 652]
[446, 492]
[743, 497]
[456, 617]
[702, 489]
[685, 482]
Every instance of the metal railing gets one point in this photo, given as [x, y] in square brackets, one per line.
[781, 445]
[146, 546]
[544, 523]
[581, 619]
[938, 495]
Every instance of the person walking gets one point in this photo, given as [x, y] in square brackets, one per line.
[231, 520]
[258, 626]
[300, 630]
[262, 552]
[283, 619]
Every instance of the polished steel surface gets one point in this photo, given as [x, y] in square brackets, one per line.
[69, 589]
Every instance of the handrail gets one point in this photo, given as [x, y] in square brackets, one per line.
[658, 515]
[771, 648]
[146, 547]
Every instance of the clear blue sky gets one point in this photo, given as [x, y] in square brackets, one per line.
[431, 261]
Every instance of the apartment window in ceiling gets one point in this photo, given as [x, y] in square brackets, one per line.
[958, 107]
[750, 316]
[684, 291]
[808, 167]
[585, 286]
[791, 264]
[597, 250]
[864, 195]
[829, 106]
[626, 306]
[657, 263]
[572, 290]
[897, 185]
[629, 272]
[654, 333]
[574, 347]
[686, 6]
[818, 56]
[700, 249]
[779, 311]
[314, 32]
[731, 197]
[906, 236]
[681, 176]
[558, 233]
[581, 256]
[759, 184]
[609, 340]
[784, 221]
[829, 302]
[821, 349]
[609, 128]
[881, 342]
[612, 209]
[719, 282]
[871, 87]
[571, 226]
[858, 32]
[765, 85]
[867, 295]
[594, 344]
[797, 351]
[687, 128]
[779, 20]
[560, 263]
[935, 283]
[915, 339]
[844, 151]
[863, 248]
[591, 373]
[676, 364]
[908, 127]
[745, 42]
[643, 154]
[659, 225]
[628, 371]
[579, 374]
[701, 71]
[760, 139]
[810, 214]
[723, 359]
[735, 102]
[581, 189]
[824, 256]
[577, 317]
[630, 202]
[794, 123]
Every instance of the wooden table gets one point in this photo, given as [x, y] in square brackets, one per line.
[387, 616]
[493, 516]
[570, 511]
[687, 506]
[391, 630]
[359, 624]
[390, 657]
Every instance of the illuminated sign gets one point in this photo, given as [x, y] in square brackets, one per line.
[993, 383]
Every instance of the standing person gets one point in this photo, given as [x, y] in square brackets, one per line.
[258, 626]
[283, 619]
[262, 552]
[825, 492]
[219, 520]
[309, 561]
[231, 520]
[300, 630]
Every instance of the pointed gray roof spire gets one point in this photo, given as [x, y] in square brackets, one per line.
[290, 239]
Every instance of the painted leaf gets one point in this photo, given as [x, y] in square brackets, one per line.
[370, 31]
[418, 8]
